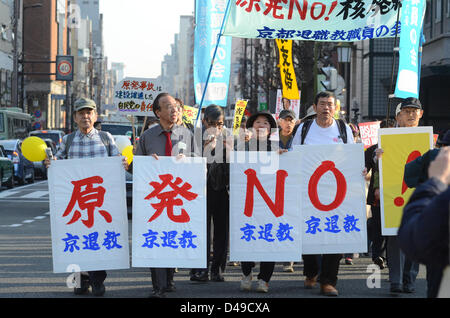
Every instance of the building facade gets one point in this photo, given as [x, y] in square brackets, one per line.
[374, 72]
[7, 51]
[45, 31]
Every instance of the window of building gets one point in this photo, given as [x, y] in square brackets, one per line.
[447, 9]
[438, 11]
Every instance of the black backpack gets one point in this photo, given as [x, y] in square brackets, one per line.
[341, 126]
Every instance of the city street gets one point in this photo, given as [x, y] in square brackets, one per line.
[26, 264]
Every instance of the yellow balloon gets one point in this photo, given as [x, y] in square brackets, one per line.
[128, 152]
[33, 148]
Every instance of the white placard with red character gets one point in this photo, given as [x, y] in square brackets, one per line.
[333, 201]
[265, 207]
[88, 214]
[169, 212]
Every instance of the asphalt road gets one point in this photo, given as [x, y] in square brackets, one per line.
[26, 265]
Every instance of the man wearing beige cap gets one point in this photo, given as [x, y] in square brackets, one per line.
[87, 142]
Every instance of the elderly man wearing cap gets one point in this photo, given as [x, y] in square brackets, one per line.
[409, 112]
[402, 271]
[288, 127]
[88, 142]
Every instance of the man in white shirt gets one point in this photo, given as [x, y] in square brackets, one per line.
[322, 130]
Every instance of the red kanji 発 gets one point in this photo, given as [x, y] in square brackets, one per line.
[168, 200]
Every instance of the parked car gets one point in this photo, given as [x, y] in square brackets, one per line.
[23, 168]
[39, 166]
[55, 135]
[129, 187]
[6, 170]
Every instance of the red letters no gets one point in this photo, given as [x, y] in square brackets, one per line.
[314, 181]
[276, 207]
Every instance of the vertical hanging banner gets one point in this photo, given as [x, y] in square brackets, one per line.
[88, 215]
[333, 199]
[238, 114]
[287, 72]
[326, 20]
[209, 16]
[408, 78]
[400, 146]
[264, 207]
[169, 212]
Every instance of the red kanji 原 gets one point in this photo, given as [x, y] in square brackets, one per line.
[88, 199]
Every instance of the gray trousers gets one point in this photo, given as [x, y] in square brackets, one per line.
[402, 271]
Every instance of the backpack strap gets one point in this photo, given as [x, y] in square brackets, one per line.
[305, 128]
[341, 126]
[342, 130]
[105, 139]
[69, 140]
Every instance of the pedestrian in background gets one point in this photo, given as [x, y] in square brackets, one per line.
[287, 129]
[216, 143]
[373, 200]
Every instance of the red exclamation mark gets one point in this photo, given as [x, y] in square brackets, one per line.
[399, 201]
[333, 5]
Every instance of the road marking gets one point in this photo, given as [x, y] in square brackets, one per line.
[30, 185]
[39, 217]
[7, 193]
[34, 195]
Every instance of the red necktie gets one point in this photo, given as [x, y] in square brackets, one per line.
[168, 143]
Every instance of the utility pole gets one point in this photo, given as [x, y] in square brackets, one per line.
[15, 76]
[68, 83]
[91, 68]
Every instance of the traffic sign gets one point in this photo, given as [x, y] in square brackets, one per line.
[64, 68]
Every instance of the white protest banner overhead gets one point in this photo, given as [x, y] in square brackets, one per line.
[265, 207]
[325, 20]
[88, 214]
[134, 96]
[333, 200]
[169, 212]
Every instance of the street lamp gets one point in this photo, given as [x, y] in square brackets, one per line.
[344, 53]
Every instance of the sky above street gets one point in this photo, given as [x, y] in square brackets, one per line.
[139, 32]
